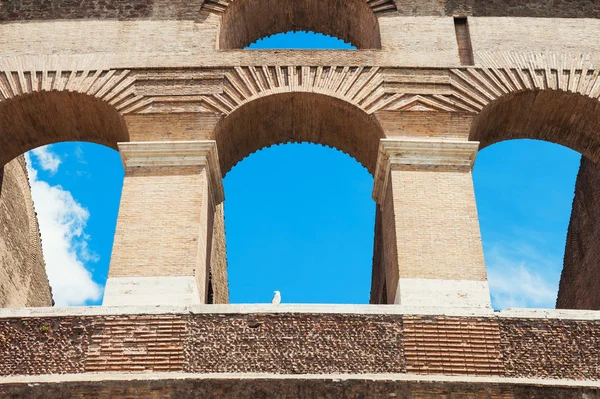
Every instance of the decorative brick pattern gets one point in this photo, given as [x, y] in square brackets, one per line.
[294, 344]
[551, 348]
[440, 345]
[43, 345]
[136, 343]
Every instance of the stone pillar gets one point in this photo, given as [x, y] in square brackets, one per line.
[432, 252]
[162, 249]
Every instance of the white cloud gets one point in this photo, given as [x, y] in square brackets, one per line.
[62, 223]
[47, 159]
[522, 277]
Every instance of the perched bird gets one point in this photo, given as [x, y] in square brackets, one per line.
[277, 298]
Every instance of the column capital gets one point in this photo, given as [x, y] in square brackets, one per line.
[423, 154]
[164, 154]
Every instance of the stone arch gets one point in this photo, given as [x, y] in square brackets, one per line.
[298, 117]
[45, 117]
[245, 21]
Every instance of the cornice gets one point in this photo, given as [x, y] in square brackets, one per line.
[161, 154]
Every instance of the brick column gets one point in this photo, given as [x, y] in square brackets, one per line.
[432, 252]
[162, 249]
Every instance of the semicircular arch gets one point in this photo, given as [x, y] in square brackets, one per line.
[298, 117]
[245, 21]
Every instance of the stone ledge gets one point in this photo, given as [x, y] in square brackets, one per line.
[184, 386]
[241, 309]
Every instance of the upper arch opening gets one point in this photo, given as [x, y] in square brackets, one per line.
[246, 21]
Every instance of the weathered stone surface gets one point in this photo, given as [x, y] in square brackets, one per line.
[294, 344]
[551, 348]
[264, 387]
[44, 345]
[580, 280]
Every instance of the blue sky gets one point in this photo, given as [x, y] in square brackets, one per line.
[288, 227]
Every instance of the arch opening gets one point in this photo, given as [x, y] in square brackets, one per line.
[298, 117]
[55, 143]
[246, 21]
[299, 219]
[571, 120]
[76, 189]
[524, 191]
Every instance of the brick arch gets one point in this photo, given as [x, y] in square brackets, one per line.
[45, 117]
[245, 21]
[557, 116]
[298, 117]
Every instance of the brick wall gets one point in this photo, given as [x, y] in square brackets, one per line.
[440, 206]
[23, 279]
[25, 10]
[580, 280]
[295, 343]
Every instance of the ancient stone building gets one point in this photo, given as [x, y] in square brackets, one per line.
[170, 86]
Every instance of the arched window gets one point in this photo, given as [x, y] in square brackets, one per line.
[353, 21]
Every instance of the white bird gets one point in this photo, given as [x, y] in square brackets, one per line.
[277, 298]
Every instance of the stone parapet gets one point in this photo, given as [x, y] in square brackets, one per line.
[301, 340]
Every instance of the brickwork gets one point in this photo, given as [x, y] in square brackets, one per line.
[173, 195]
[580, 281]
[14, 10]
[23, 279]
[137, 344]
[295, 344]
[551, 348]
[441, 206]
[44, 345]
[245, 388]
[298, 343]
[447, 346]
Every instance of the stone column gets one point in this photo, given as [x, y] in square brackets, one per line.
[432, 252]
[162, 248]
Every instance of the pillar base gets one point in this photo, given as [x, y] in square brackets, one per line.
[153, 291]
[443, 293]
